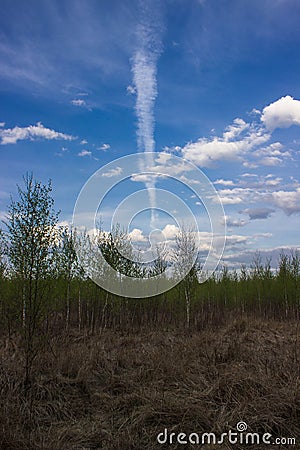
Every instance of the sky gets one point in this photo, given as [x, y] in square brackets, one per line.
[217, 82]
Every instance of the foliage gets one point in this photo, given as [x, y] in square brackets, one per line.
[32, 233]
[43, 286]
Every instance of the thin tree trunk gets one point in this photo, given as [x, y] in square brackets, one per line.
[24, 309]
[188, 307]
[68, 307]
[103, 318]
[79, 311]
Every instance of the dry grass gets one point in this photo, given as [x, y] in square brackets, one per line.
[118, 391]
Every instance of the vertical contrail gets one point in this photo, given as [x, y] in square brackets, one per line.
[144, 77]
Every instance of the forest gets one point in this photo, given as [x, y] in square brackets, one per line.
[83, 368]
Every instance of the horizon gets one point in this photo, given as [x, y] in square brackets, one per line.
[215, 83]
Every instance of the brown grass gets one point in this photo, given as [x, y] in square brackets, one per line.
[118, 391]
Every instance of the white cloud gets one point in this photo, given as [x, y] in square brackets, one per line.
[236, 239]
[170, 231]
[231, 222]
[250, 165]
[163, 166]
[104, 147]
[83, 142]
[85, 153]
[32, 132]
[255, 111]
[273, 181]
[261, 183]
[189, 181]
[163, 158]
[234, 130]
[131, 90]
[233, 145]
[78, 102]
[113, 172]
[204, 152]
[174, 149]
[270, 161]
[241, 137]
[136, 235]
[247, 256]
[230, 200]
[272, 155]
[2, 124]
[237, 195]
[249, 175]
[233, 241]
[145, 177]
[224, 182]
[288, 201]
[273, 149]
[282, 114]
[262, 191]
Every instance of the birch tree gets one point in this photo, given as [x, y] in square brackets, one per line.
[187, 265]
[31, 223]
[68, 266]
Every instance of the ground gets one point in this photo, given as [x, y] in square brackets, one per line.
[120, 390]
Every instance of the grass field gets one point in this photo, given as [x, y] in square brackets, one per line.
[119, 390]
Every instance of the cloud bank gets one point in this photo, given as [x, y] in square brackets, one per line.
[283, 113]
[242, 140]
[32, 132]
[238, 139]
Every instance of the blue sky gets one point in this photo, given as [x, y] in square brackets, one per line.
[214, 81]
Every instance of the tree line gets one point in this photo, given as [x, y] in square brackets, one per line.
[44, 290]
